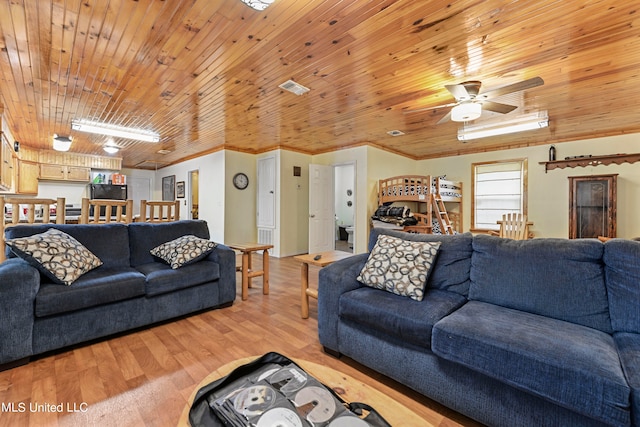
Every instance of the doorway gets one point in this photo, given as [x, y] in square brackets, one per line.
[194, 189]
[345, 199]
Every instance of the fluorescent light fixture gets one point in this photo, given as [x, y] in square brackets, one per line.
[502, 127]
[258, 4]
[466, 112]
[113, 130]
[62, 143]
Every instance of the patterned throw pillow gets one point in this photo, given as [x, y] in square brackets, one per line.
[56, 254]
[399, 266]
[183, 250]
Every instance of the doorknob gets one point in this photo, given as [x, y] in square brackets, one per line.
[312, 216]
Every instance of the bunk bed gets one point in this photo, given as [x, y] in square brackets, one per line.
[438, 204]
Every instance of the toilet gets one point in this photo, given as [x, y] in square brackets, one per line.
[349, 231]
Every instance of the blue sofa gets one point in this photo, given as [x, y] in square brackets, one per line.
[542, 332]
[131, 289]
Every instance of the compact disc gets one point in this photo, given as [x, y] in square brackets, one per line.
[267, 374]
[348, 421]
[279, 417]
[316, 404]
[253, 401]
[288, 379]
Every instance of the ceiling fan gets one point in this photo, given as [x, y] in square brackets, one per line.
[470, 102]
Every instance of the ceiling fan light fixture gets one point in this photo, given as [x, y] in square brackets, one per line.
[521, 123]
[113, 130]
[258, 4]
[466, 112]
[62, 143]
[111, 149]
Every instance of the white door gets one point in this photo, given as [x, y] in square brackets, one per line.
[321, 209]
[266, 190]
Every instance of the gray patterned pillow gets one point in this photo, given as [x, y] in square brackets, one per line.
[184, 250]
[56, 254]
[399, 266]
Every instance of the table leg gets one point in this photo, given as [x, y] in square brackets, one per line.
[245, 275]
[304, 280]
[265, 272]
[249, 269]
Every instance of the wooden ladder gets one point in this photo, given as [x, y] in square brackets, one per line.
[441, 214]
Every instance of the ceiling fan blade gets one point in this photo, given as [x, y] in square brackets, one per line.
[437, 107]
[458, 91]
[515, 87]
[497, 107]
[445, 119]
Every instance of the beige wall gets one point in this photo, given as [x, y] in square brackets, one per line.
[294, 202]
[231, 213]
[549, 192]
[239, 205]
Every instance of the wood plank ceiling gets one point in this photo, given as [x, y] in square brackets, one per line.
[205, 73]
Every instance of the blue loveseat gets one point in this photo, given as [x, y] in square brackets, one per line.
[130, 289]
[543, 332]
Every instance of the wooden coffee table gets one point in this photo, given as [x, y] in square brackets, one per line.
[349, 389]
[325, 259]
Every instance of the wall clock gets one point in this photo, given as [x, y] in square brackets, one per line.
[240, 181]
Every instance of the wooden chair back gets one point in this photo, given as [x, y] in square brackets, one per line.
[159, 211]
[514, 226]
[90, 212]
[30, 207]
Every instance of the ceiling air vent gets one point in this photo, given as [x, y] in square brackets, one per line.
[150, 164]
[294, 87]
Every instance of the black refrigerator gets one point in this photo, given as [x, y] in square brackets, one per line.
[108, 191]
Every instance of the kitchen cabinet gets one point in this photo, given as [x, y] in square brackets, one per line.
[592, 206]
[64, 173]
[7, 165]
[28, 173]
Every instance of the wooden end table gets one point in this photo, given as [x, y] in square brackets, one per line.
[247, 272]
[326, 258]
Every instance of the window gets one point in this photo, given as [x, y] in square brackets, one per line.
[498, 188]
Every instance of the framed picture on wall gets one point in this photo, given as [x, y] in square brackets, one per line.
[180, 189]
[169, 187]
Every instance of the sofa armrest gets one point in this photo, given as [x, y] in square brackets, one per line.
[20, 284]
[629, 350]
[226, 259]
[333, 281]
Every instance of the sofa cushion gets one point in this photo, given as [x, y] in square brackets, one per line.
[161, 278]
[568, 364]
[184, 250]
[622, 270]
[144, 236]
[97, 287]
[409, 320]
[399, 266]
[453, 263]
[57, 255]
[558, 278]
[112, 251]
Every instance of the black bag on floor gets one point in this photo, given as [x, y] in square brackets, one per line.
[274, 390]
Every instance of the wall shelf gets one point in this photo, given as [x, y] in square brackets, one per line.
[591, 161]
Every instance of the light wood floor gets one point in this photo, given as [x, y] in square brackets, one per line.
[145, 378]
